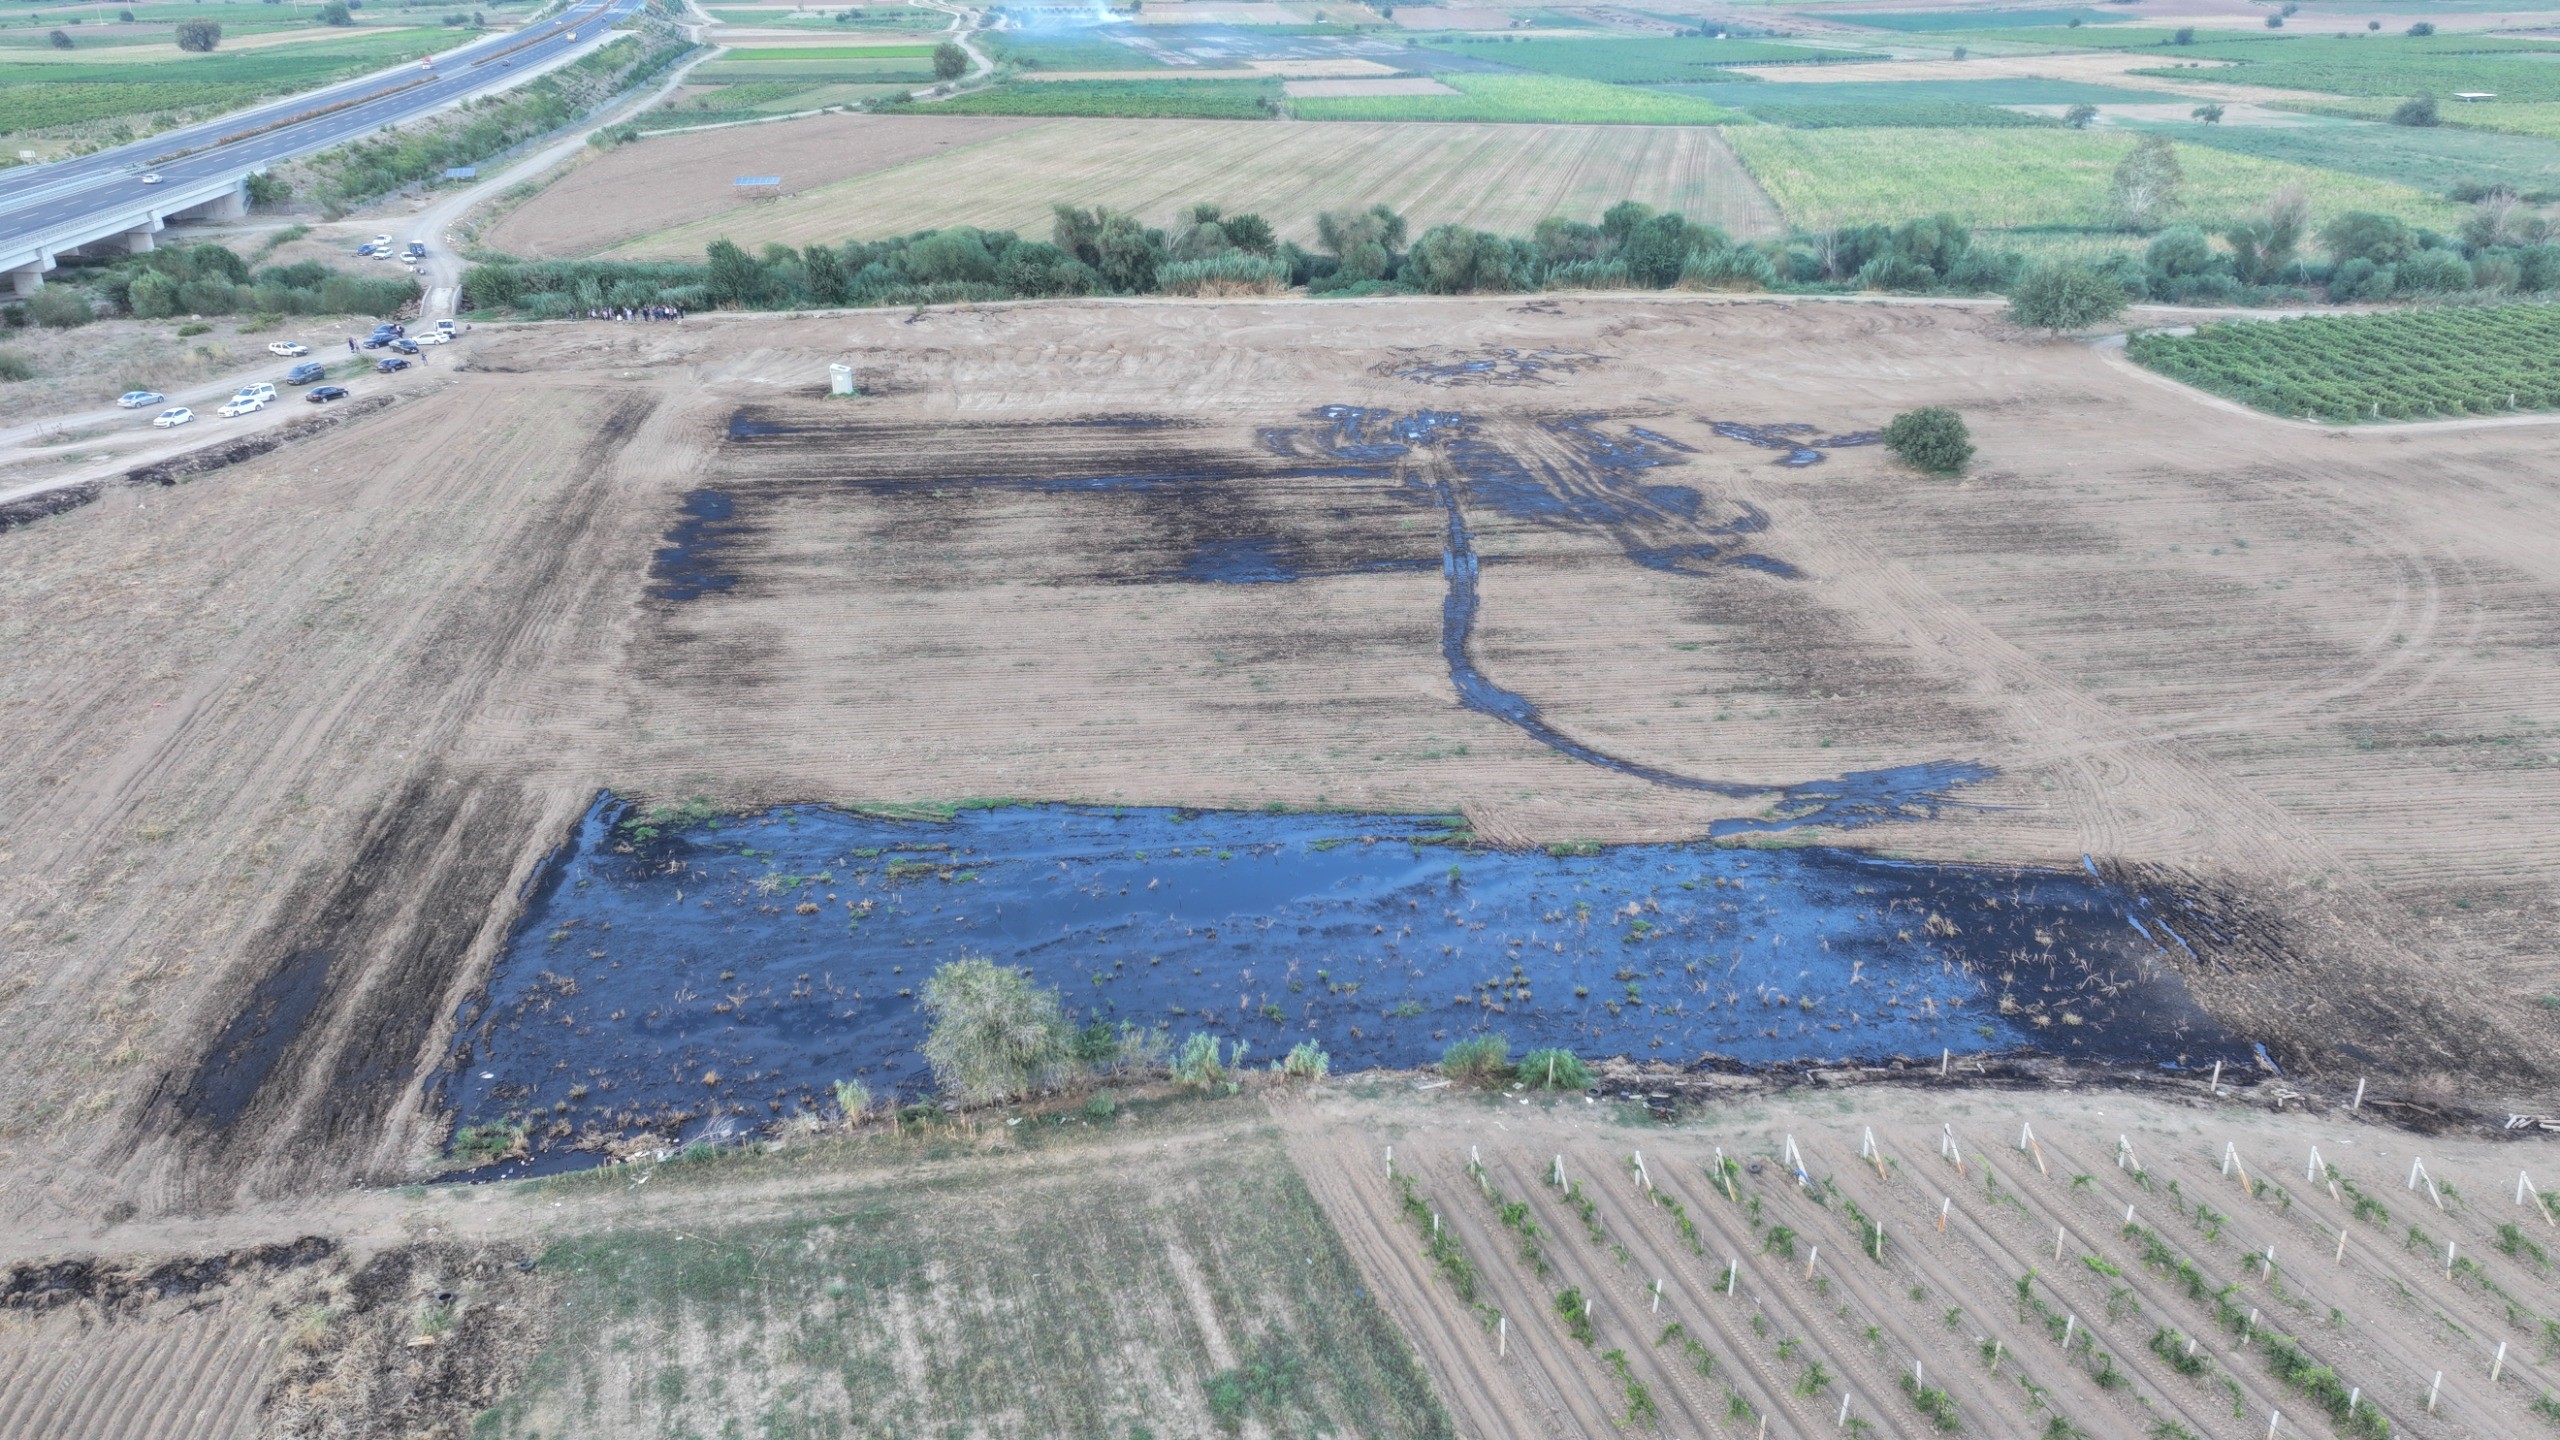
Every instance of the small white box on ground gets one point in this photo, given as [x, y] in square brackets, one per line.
[840, 379]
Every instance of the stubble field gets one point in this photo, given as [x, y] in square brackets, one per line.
[1503, 178]
[292, 734]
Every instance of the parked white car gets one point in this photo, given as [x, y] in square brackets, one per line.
[287, 348]
[433, 337]
[136, 399]
[242, 405]
[172, 419]
[261, 391]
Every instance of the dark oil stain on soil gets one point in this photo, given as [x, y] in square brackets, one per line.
[690, 564]
[246, 1051]
[726, 974]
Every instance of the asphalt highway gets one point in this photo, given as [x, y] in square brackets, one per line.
[37, 200]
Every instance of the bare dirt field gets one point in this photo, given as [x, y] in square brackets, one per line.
[671, 179]
[1361, 1257]
[1497, 177]
[288, 737]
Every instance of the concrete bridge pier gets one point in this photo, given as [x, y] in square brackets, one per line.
[28, 279]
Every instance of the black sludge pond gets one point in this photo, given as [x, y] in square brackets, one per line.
[725, 974]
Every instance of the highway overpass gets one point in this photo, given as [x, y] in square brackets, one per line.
[122, 198]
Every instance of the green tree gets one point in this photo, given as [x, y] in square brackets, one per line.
[950, 62]
[994, 1034]
[2147, 185]
[732, 276]
[1364, 241]
[2262, 246]
[60, 307]
[2207, 114]
[828, 284]
[2418, 111]
[1932, 438]
[2186, 35]
[2060, 296]
[152, 295]
[2079, 116]
[58, 40]
[336, 13]
[2364, 235]
[199, 36]
[2422, 28]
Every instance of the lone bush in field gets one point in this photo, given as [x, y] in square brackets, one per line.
[854, 1099]
[199, 36]
[1478, 1060]
[1198, 1064]
[1554, 1068]
[995, 1034]
[1932, 438]
[1306, 1061]
[2059, 297]
[950, 62]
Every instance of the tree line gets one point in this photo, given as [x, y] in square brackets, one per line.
[2267, 259]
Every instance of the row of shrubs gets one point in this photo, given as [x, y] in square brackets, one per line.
[1207, 252]
[355, 173]
[214, 280]
[1210, 253]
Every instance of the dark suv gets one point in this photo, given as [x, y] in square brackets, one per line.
[304, 375]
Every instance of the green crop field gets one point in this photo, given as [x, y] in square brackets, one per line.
[36, 95]
[1068, 54]
[1521, 99]
[2436, 159]
[2028, 179]
[2540, 118]
[915, 69]
[2382, 72]
[2411, 365]
[1650, 61]
[829, 52]
[1940, 104]
[1921, 21]
[1131, 99]
[2111, 37]
[885, 17]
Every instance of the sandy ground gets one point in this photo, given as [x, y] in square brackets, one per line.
[336, 701]
[1503, 178]
[671, 179]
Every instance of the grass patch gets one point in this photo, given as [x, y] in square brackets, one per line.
[831, 52]
[2540, 118]
[2029, 179]
[919, 1303]
[2409, 365]
[2421, 158]
[1063, 54]
[1620, 61]
[1125, 99]
[2387, 65]
[1521, 99]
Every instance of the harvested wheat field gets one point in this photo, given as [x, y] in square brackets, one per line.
[588, 753]
[669, 180]
[1504, 178]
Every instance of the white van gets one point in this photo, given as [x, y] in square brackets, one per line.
[261, 391]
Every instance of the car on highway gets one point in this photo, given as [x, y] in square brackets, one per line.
[306, 374]
[136, 399]
[172, 419]
[386, 367]
[404, 346]
[151, 179]
[327, 393]
[287, 348]
[242, 405]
